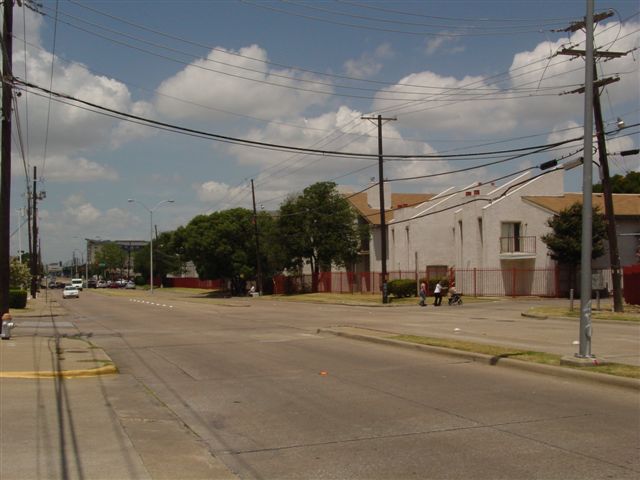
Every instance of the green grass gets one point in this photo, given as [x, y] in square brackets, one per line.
[618, 369]
[360, 298]
[631, 312]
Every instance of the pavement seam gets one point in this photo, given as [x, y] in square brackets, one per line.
[490, 360]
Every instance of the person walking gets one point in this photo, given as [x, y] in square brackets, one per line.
[437, 295]
[423, 294]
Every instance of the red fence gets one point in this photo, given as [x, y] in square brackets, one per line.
[631, 277]
[193, 283]
[512, 282]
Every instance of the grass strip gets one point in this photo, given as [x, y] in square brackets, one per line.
[618, 369]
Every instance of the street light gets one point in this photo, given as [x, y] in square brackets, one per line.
[150, 210]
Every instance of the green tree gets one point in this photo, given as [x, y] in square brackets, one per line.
[19, 275]
[565, 242]
[166, 258]
[629, 183]
[320, 228]
[112, 256]
[222, 245]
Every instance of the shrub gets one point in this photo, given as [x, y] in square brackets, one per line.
[17, 298]
[402, 288]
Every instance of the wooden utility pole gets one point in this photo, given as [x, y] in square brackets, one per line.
[5, 154]
[383, 225]
[255, 227]
[34, 237]
[614, 255]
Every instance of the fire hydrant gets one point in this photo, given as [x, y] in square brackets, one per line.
[7, 326]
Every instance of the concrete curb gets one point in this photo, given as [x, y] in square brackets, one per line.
[561, 372]
[93, 372]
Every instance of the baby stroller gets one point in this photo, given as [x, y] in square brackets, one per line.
[455, 299]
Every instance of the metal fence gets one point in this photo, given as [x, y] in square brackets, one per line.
[488, 282]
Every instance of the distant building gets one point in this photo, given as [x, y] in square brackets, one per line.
[128, 246]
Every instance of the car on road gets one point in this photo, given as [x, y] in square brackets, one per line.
[77, 282]
[70, 292]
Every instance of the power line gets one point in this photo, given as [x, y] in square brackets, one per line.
[252, 143]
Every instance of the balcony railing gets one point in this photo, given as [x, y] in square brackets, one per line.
[518, 245]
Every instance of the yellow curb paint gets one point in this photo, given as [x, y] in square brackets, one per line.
[106, 370]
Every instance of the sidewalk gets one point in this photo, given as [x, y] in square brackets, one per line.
[64, 413]
[44, 345]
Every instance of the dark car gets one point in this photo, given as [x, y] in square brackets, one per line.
[92, 284]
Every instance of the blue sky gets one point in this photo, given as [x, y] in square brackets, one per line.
[461, 76]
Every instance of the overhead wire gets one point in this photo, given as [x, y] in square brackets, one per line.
[416, 24]
[375, 28]
[246, 142]
[269, 74]
[53, 58]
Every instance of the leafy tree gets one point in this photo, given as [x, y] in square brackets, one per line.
[112, 255]
[165, 257]
[630, 183]
[19, 275]
[565, 240]
[319, 227]
[222, 245]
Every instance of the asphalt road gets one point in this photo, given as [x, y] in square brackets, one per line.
[272, 399]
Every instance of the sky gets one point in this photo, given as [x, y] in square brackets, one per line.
[457, 77]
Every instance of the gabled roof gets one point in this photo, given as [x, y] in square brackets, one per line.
[624, 204]
[398, 200]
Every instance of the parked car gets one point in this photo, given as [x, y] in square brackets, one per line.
[53, 285]
[92, 284]
[130, 285]
[70, 292]
[101, 284]
[77, 282]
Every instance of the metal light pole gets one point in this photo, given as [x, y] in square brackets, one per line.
[150, 210]
[585, 263]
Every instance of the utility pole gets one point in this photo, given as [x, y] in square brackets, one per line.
[5, 154]
[614, 255]
[255, 227]
[383, 225]
[34, 237]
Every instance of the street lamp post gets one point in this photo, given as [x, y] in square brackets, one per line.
[150, 210]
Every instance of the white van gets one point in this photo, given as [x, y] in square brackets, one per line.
[77, 282]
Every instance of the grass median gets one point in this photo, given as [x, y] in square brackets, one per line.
[618, 369]
[631, 312]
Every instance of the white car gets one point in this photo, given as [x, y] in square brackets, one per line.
[70, 292]
[77, 282]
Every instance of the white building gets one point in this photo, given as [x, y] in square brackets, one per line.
[490, 235]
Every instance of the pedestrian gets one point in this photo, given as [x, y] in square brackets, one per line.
[423, 294]
[437, 295]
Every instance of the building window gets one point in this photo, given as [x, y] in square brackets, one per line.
[480, 230]
[510, 237]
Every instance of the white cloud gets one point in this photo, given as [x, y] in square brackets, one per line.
[84, 214]
[369, 63]
[64, 169]
[212, 85]
[443, 43]
[471, 106]
[222, 196]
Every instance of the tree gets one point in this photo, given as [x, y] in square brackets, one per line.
[320, 228]
[222, 245]
[19, 274]
[166, 258]
[565, 241]
[630, 183]
[112, 255]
